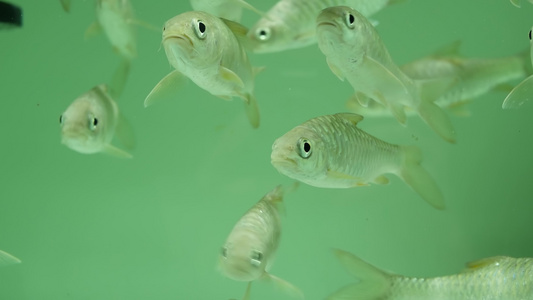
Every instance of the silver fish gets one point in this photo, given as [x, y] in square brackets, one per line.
[290, 24]
[249, 250]
[89, 124]
[7, 259]
[355, 51]
[493, 278]
[523, 92]
[205, 49]
[332, 152]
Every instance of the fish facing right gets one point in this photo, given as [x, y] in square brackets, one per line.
[493, 278]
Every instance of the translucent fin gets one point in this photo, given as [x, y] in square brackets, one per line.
[419, 179]
[118, 81]
[247, 292]
[335, 70]
[248, 6]
[381, 180]
[362, 99]
[66, 5]
[398, 112]
[238, 29]
[231, 77]
[521, 94]
[93, 30]
[484, 262]
[168, 86]
[351, 117]
[7, 259]
[114, 151]
[451, 49]
[516, 3]
[124, 133]
[252, 111]
[373, 283]
[287, 287]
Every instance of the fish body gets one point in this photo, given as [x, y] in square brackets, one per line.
[332, 152]
[494, 278]
[290, 24]
[203, 48]
[354, 51]
[89, 124]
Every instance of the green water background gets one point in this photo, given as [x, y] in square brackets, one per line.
[97, 227]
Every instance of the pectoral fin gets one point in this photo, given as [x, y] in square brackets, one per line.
[285, 286]
[66, 5]
[93, 30]
[335, 70]
[516, 3]
[252, 111]
[522, 93]
[114, 151]
[168, 86]
[231, 77]
[124, 133]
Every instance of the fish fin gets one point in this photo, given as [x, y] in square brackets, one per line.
[432, 114]
[284, 285]
[353, 118]
[344, 176]
[459, 109]
[398, 112]
[124, 133]
[516, 3]
[362, 99]
[451, 49]
[484, 262]
[248, 291]
[7, 259]
[66, 5]
[252, 110]
[168, 86]
[93, 30]
[522, 93]
[415, 176]
[381, 180]
[238, 29]
[335, 70]
[373, 283]
[504, 87]
[374, 22]
[118, 81]
[257, 70]
[231, 77]
[250, 7]
[114, 151]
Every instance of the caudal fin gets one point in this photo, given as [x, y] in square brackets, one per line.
[373, 283]
[419, 179]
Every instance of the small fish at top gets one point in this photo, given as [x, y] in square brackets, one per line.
[354, 51]
[290, 24]
[517, 3]
[91, 121]
[7, 259]
[523, 92]
[332, 152]
[475, 77]
[205, 49]
[227, 9]
[493, 278]
[248, 252]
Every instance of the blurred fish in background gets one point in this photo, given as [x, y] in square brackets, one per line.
[227, 9]
[10, 16]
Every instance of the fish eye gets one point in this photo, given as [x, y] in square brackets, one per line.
[263, 34]
[256, 258]
[61, 119]
[93, 122]
[350, 19]
[530, 35]
[224, 252]
[304, 148]
[199, 28]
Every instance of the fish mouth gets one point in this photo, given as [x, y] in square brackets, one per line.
[326, 24]
[179, 38]
[282, 162]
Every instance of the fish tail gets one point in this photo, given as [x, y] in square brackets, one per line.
[418, 178]
[373, 283]
[252, 110]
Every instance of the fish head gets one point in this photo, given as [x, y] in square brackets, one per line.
[191, 38]
[341, 29]
[299, 154]
[243, 257]
[271, 35]
[85, 124]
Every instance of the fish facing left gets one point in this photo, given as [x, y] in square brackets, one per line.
[249, 250]
[332, 152]
[493, 278]
[206, 49]
[89, 124]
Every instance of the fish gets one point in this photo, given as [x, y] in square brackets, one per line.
[492, 278]
[354, 51]
[332, 152]
[7, 259]
[523, 92]
[475, 77]
[517, 3]
[249, 250]
[92, 120]
[227, 9]
[205, 49]
[290, 24]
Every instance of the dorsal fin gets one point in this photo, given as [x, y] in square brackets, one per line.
[353, 118]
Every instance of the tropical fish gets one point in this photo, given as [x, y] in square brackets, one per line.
[517, 2]
[290, 24]
[7, 259]
[227, 9]
[205, 49]
[474, 77]
[354, 51]
[523, 92]
[493, 278]
[332, 152]
[89, 124]
[248, 252]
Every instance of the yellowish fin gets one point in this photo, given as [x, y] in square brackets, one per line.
[93, 30]
[124, 133]
[521, 94]
[230, 76]
[373, 283]
[484, 262]
[419, 179]
[285, 286]
[65, 4]
[381, 180]
[7, 259]
[252, 111]
[114, 151]
[516, 3]
[168, 86]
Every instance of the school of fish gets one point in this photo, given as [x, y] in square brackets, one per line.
[208, 46]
